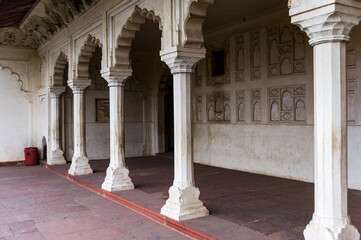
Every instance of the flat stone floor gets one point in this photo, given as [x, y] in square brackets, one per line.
[37, 204]
[242, 205]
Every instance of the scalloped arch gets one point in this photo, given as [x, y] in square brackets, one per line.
[59, 67]
[197, 12]
[85, 54]
[17, 76]
[127, 34]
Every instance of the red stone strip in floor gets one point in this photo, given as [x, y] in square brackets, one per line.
[135, 207]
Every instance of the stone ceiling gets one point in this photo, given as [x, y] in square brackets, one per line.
[21, 28]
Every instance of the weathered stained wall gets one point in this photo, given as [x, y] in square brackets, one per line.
[258, 115]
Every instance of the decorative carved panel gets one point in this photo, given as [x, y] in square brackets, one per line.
[351, 101]
[198, 114]
[241, 105]
[256, 105]
[286, 50]
[240, 59]
[218, 107]
[220, 79]
[255, 56]
[287, 104]
[350, 52]
[198, 74]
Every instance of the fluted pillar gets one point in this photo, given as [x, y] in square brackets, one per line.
[117, 175]
[56, 155]
[328, 30]
[183, 202]
[80, 162]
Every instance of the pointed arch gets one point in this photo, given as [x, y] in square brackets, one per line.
[85, 54]
[127, 35]
[59, 68]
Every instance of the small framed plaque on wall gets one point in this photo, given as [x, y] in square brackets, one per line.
[102, 110]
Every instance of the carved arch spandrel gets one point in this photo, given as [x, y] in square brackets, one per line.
[59, 68]
[85, 54]
[196, 14]
[17, 77]
[127, 35]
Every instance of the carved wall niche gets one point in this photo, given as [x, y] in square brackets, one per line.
[287, 104]
[286, 50]
[256, 105]
[351, 101]
[241, 105]
[212, 50]
[255, 56]
[350, 52]
[198, 74]
[240, 59]
[218, 107]
[198, 105]
[98, 82]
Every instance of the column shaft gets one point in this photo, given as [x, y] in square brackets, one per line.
[80, 163]
[117, 177]
[56, 155]
[330, 219]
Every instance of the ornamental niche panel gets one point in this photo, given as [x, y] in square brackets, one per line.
[255, 56]
[286, 50]
[256, 105]
[218, 62]
[287, 104]
[241, 105]
[240, 59]
[198, 105]
[198, 74]
[351, 82]
[218, 107]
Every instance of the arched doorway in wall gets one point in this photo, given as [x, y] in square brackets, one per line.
[97, 111]
[67, 119]
[147, 71]
[169, 116]
[165, 113]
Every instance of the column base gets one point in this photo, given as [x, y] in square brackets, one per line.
[56, 158]
[80, 166]
[117, 179]
[316, 231]
[184, 204]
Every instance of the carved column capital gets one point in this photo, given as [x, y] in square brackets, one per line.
[55, 92]
[327, 27]
[116, 77]
[182, 60]
[79, 86]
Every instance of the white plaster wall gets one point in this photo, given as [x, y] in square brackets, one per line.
[14, 119]
[97, 133]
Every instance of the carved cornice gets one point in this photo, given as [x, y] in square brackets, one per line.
[55, 92]
[182, 60]
[48, 17]
[116, 77]
[79, 86]
[328, 27]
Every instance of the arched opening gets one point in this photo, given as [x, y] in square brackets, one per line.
[147, 93]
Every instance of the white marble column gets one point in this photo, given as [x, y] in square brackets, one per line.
[80, 162]
[183, 202]
[117, 175]
[328, 35]
[56, 155]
